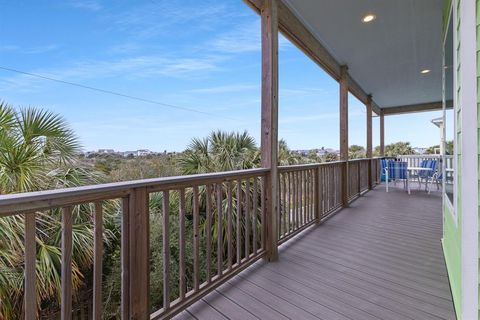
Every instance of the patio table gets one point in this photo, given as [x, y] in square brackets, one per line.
[413, 169]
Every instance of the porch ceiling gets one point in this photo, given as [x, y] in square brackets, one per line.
[385, 57]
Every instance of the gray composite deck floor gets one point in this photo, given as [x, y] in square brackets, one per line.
[379, 259]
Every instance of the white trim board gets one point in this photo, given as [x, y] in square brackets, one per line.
[469, 182]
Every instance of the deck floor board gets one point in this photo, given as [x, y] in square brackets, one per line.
[379, 259]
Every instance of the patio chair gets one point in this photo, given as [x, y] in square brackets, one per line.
[383, 165]
[427, 176]
[438, 178]
[416, 176]
[394, 171]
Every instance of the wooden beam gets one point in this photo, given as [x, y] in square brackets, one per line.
[369, 139]
[376, 108]
[420, 107]
[369, 127]
[382, 134]
[269, 124]
[344, 133]
[295, 31]
[360, 94]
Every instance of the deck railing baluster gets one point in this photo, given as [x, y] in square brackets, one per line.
[97, 260]
[181, 240]
[30, 298]
[196, 240]
[66, 276]
[255, 214]
[229, 224]
[219, 229]
[247, 218]
[166, 249]
[208, 231]
[239, 221]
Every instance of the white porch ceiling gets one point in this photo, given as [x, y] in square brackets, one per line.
[385, 56]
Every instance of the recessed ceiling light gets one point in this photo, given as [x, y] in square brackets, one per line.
[369, 18]
[424, 71]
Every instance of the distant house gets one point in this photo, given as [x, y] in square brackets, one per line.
[143, 152]
[420, 150]
[130, 154]
[106, 151]
[324, 151]
[137, 153]
[302, 152]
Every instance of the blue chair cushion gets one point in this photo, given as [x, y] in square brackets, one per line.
[397, 170]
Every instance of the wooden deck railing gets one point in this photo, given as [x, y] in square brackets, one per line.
[225, 213]
[414, 160]
[309, 193]
[296, 198]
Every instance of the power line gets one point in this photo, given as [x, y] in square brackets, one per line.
[172, 106]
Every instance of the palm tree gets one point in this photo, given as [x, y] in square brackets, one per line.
[397, 148]
[38, 151]
[286, 156]
[220, 151]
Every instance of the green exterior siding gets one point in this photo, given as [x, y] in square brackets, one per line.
[452, 236]
[452, 251]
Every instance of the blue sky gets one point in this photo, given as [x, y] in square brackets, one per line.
[202, 55]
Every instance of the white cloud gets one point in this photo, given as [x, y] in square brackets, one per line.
[245, 37]
[302, 92]
[134, 67]
[316, 117]
[28, 50]
[157, 18]
[124, 48]
[8, 47]
[226, 89]
[90, 5]
[41, 49]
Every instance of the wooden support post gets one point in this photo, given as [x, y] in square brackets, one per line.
[344, 133]
[269, 124]
[125, 259]
[317, 194]
[369, 140]
[382, 134]
[139, 254]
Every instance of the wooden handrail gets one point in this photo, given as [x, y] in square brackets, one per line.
[42, 200]
[307, 166]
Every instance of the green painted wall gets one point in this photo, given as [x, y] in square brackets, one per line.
[446, 12]
[452, 224]
[452, 251]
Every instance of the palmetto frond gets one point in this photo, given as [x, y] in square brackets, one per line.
[220, 151]
[7, 117]
[48, 132]
[37, 151]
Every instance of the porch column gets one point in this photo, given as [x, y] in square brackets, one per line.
[138, 244]
[369, 140]
[382, 134]
[344, 133]
[269, 124]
